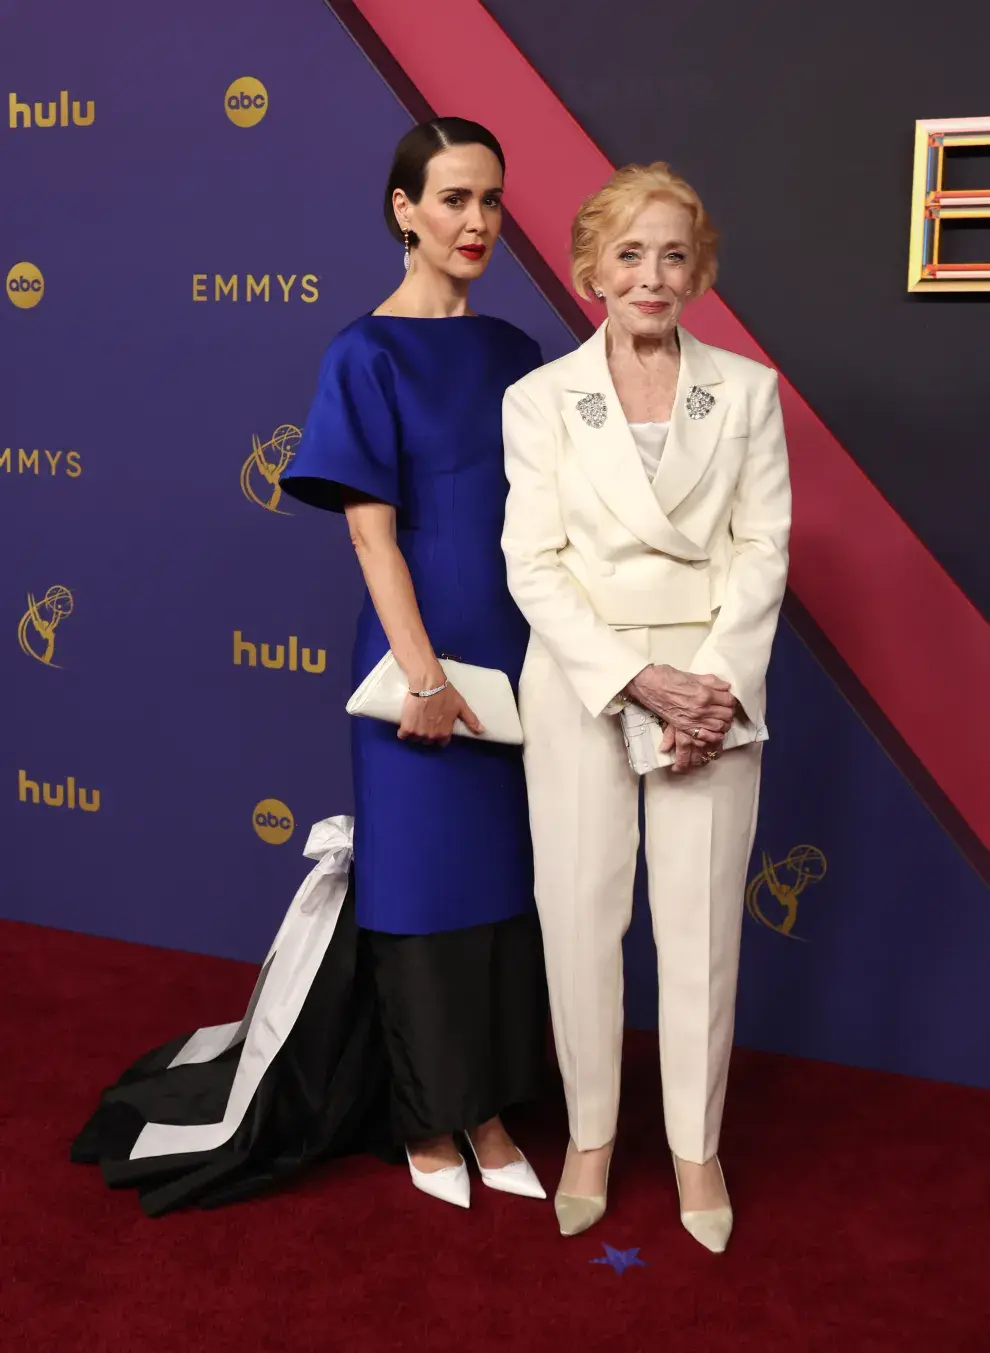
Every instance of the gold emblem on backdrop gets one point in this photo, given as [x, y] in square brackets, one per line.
[25, 285]
[246, 101]
[36, 630]
[273, 821]
[260, 472]
[773, 896]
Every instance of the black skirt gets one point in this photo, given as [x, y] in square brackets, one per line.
[396, 1038]
[463, 1014]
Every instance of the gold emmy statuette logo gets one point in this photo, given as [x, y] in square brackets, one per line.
[50, 113]
[772, 896]
[260, 472]
[273, 822]
[246, 101]
[25, 286]
[36, 631]
[69, 795]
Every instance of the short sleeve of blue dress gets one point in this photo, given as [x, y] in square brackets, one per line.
[409, 412]
[350, 440]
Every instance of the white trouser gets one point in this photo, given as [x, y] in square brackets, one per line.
[584, 811]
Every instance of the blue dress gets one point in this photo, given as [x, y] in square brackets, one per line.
[427, 1014]
[408, 411]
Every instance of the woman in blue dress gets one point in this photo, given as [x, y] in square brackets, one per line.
[426, 1017]
[405, 437]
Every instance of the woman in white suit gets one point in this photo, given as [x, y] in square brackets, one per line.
[646, 539]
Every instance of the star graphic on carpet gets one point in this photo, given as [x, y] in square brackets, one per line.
[619, 1260]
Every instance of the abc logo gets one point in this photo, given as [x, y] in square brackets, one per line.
[25, 285]
[246, 101]
[273, 822]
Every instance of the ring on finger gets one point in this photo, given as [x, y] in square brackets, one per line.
[696, 733]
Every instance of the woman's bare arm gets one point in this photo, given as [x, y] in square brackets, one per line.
[386, 573]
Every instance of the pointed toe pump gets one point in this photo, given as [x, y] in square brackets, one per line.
[710, 1227]
[450, 1185]
[577, 1212]
[517, 1177]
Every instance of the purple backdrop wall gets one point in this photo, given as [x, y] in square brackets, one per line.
[129, 410]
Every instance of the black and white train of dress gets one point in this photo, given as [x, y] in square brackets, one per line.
[220, 1114]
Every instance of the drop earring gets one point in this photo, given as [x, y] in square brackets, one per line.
[405, 257]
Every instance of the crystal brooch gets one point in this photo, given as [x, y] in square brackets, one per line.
[699, 402]
[593, 410]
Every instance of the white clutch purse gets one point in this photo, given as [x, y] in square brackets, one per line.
[644, 737]
[382, 694]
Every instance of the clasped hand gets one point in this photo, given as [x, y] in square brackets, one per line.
[430, 720]
[697, 711]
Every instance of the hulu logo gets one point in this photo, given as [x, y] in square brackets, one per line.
[279, 656]
[69, 795]
[50, 113]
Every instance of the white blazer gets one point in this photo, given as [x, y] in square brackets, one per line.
[592, 547]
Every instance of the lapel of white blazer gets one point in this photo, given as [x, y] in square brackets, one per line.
[608, 452]
[691, 441]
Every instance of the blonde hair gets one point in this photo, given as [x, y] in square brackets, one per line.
[605, 214]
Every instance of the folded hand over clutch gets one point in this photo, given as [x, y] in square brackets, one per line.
[644, 733]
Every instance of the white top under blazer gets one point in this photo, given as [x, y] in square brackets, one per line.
[650, 439]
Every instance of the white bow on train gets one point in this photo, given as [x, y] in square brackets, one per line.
[283, 983]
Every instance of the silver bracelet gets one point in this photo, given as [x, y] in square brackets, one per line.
[425, 695]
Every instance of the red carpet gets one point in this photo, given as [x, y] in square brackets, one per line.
[862, 1210]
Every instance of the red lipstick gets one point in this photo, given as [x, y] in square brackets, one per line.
[472, 251]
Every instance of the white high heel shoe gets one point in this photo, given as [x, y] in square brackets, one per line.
[450, 1185]
[517, 1177]
[710, 1227]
